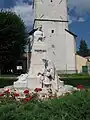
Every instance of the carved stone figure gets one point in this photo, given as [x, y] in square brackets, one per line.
[22, 77]
[39, 35]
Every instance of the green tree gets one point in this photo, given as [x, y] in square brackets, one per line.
[83, 49]
[12, 38]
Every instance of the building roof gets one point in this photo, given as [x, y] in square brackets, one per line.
[71, 33]
[87, 57]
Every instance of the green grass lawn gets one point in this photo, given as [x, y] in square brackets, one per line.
[76, 79]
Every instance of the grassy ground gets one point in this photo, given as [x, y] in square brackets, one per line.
[69, 107]
[71, 79]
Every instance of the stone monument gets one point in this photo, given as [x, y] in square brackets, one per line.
[42, 72]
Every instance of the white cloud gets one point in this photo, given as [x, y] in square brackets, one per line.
[81, 19]
[26, 13]
[81, 9]
[71, 19]
[81, 6]
[24, 10]
[75, 19]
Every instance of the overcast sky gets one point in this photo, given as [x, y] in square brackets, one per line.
[78, 15]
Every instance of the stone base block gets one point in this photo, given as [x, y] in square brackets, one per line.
[20, 84]
[33, 83]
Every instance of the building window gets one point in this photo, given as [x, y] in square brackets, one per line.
[52, 31]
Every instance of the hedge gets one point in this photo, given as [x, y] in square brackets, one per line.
[6, 81]
[70, 107]
[77, 81]
[77, 75]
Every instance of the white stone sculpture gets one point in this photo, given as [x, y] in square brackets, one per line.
[39, 35]
[21, 82]
[42, 71]
[22, 77]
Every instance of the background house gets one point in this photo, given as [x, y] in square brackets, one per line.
[88, 63]
[81, 64]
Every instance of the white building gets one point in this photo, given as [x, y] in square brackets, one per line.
[52, 16]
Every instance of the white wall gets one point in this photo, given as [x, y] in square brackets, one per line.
[63, 53]
[51, 10]
[71, 50]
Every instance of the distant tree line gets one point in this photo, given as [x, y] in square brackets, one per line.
[83, 49]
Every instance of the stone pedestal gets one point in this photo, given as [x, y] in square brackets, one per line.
[20, 84]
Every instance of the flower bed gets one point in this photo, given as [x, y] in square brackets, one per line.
[27, 95]
[15, 95]
[70, 107]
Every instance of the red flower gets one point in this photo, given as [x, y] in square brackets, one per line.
[38, 90]
[27, 99]
[80, 86]
[16, 94]
[7, 91]
[26, 91]
[2, 94]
